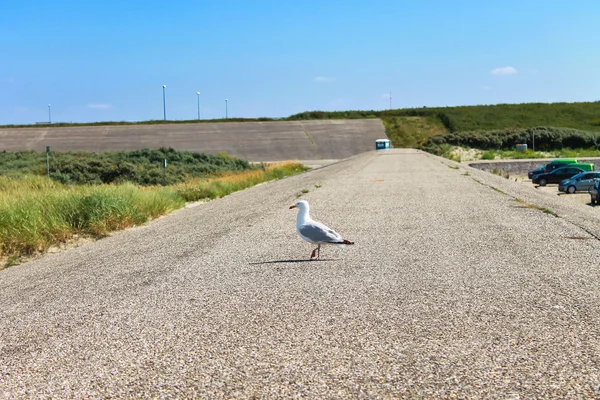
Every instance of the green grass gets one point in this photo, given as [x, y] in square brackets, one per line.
[524, 204]
[582, 116]
[574, 153]
[578, 115]
[412, 131]
[143, 167]
[37, 213]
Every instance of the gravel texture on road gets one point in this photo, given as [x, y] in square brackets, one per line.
[460, 284]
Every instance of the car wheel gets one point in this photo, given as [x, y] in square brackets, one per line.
[571, 189]
[542, 182]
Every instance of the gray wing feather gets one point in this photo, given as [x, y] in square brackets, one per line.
[319, 233]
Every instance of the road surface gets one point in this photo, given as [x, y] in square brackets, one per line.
[461, 283]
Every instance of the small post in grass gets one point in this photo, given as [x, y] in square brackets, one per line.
[48, 161]
[165, 163]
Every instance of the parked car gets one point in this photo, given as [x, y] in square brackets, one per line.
[555, 176]
[551, 166]
[583, 166]
[537, 171]
[583, 181]
[595, 193]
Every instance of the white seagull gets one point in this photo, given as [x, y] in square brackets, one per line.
[315, 232]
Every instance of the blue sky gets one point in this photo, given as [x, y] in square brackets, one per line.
[107, 60]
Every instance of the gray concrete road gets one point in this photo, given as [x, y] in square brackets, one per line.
[460, 284]
[253, 141]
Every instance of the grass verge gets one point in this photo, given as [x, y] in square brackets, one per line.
[37, 213]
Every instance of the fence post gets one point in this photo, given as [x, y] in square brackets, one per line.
[48, 161]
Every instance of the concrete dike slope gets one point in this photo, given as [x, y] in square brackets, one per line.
[253, 141]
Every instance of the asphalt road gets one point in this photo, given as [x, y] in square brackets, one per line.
[453, 288]
[252, 141]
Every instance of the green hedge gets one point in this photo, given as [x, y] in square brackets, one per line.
[546, 138]
[143, 167]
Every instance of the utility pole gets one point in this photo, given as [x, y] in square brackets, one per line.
[164, 103]
[390, 99]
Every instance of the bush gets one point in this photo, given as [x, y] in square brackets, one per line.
[488, 155]
[143, 167]
[546, 138]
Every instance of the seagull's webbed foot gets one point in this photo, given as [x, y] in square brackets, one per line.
[313, 255]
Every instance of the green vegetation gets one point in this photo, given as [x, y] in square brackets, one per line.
[37, 213]
[545, 139]
[555, 125]
[582, 115]
[488, 155]
[142, 167]
[411, 131]
[500, 172]
[524, 204]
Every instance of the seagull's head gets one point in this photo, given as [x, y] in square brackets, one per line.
[301, 205]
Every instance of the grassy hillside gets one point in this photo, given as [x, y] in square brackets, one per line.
[415, 126]
[583, 116]
[412, 131]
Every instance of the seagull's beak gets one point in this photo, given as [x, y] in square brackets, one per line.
[292, 207]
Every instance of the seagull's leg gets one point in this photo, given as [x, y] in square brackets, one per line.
[319, 252]
[313, 254]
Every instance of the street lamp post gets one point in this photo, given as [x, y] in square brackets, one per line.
[164, 103]
[226, 117]
[198, 95]
[49, 115]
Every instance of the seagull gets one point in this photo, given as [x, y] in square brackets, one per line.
[315, 232]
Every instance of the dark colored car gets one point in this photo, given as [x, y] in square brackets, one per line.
[551, 166]
[536, 171]
[555, 176]
[595, 193]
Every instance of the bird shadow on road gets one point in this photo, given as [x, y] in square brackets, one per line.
[291, 261]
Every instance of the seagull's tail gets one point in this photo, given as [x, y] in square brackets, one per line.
[343, 243]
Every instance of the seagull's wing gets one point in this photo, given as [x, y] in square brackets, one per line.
[318, 233]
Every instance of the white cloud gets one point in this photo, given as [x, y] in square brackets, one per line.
[323, 79]
[486, 88]
[504, 71]
[99, 106]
